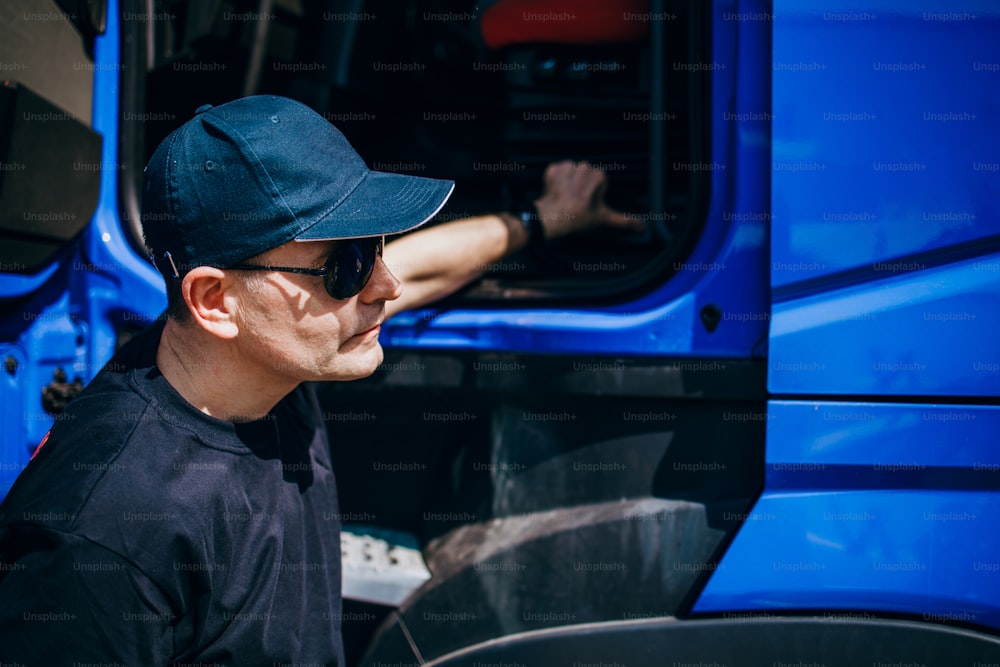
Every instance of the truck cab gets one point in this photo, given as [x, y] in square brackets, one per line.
[757, 433]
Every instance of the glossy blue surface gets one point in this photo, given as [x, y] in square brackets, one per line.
[885, 184]
[725, 269]
[928, 332]
[885, 133]
[885, 271]
[14, 285]
[12, 435]
[71, 310]
[882, 507]
[121, 286]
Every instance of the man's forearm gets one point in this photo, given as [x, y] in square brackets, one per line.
[451, 255]
[454, 254]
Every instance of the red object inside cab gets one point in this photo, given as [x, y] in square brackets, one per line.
[565, 21]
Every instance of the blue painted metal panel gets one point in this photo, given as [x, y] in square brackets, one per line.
[15, 285]
[70, 311]
[878, 507]
[928, 332]
[884, 273]
[725, 268]
[885, 133]
[119, 284]
[13, 456]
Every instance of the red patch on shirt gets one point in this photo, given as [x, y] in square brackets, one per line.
[40, 445]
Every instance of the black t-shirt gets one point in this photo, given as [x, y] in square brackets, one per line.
[146, 533]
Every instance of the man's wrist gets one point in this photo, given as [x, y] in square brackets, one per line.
[533, 227]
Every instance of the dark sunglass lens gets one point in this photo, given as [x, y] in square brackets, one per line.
[350, 266]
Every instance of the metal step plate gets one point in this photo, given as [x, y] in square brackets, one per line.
[380, 566]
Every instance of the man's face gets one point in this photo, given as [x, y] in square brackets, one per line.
[293, 329]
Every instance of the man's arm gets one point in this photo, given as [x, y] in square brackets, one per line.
[65, 600]
[433, 263]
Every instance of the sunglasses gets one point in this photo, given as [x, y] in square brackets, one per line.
[346, 271]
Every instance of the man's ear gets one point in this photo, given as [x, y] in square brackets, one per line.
[205, 289]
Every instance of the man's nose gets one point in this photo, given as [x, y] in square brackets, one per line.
[383, 285]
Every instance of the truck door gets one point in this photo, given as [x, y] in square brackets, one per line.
[883, 370]
[72, 287]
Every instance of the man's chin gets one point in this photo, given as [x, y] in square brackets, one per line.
[361, 367]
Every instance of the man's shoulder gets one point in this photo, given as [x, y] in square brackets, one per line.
[109, 446]
[115, 472]
[80, 450]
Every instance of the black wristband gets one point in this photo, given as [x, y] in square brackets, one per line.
[533, 226]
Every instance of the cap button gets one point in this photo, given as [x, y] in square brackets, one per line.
[203, 108]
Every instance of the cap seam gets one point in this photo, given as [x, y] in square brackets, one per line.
[441, 205]
[170, 187]
[325, 214]
[172, 190]
[282, 187]
[258, 163]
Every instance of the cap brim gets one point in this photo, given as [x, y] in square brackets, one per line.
[382, 204]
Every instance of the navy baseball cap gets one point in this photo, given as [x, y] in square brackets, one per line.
[253, 174]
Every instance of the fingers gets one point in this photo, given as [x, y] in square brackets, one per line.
[600, 188]
[558, 169]
[588, 180]
[595, 181]
[574, 201]
[628, 223]
[569, 167]
[576, 180]
[625, 222]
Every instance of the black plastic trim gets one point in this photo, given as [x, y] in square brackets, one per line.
[602, 375]
[131, 134]
[931, 399]
[742, 641]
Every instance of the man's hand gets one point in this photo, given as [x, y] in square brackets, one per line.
[573, 202]
[430, 265]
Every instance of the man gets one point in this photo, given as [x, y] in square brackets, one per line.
[183, 509]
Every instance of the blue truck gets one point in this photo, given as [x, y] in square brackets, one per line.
[757, 434]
